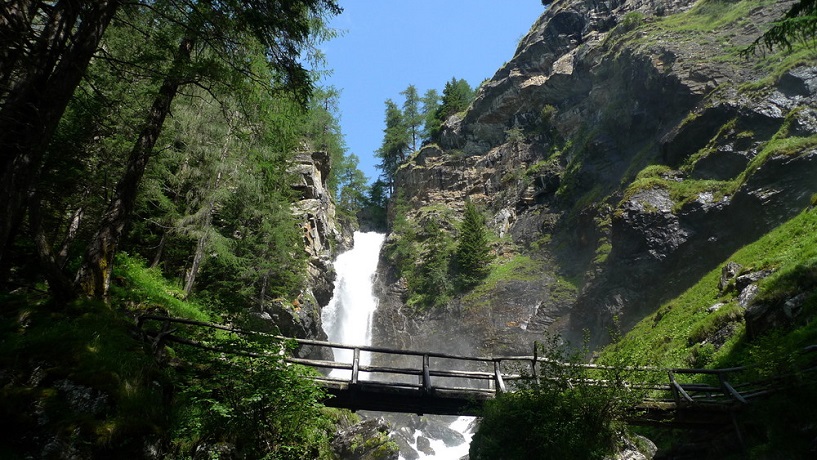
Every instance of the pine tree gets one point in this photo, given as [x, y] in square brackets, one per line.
[412, 118]
[798, 24]
[457, 95]
[431, 102]
[473, 254]
[395, 143]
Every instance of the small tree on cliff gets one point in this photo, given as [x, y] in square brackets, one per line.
[473, 255]
[798, 24]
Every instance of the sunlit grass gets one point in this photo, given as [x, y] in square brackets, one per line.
[668, 336]
[144, 288]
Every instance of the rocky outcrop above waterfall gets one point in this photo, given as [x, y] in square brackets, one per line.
[324, 234]
[626, 149]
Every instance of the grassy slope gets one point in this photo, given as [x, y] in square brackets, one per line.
[672, 335]
[79, 378]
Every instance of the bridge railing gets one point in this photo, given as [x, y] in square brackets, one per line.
[430, 372]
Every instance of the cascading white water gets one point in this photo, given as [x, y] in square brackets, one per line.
[348, 320]
[348, 317]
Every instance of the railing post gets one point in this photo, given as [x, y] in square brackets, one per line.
[355, 365]
[535, 360]
[500, 384]
[730, 390]
[673, 388]
[426, 374]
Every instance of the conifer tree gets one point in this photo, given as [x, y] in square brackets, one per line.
[395, 143]
[412, 118]
[431, 102]
[473, 254]
[798, 24]
[457, 94]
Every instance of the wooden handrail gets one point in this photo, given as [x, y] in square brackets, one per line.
[426, 373]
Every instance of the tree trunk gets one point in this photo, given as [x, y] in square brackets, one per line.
[15, 28]
[35, 104]
[159, 250]
[197, 257]
[93, 277]
[58, 283]
[208, 219]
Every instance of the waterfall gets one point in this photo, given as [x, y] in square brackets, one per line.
[348, 317]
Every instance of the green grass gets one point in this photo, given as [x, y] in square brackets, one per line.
[669, 336]
[145, 288]
[711, 15]
[515, 268]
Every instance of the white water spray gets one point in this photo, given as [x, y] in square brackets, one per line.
[348, 320]
[348, 317]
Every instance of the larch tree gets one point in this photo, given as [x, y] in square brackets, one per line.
[412, 117]
[430, 103]
[46, 49]
[208, 34]
[392, 151]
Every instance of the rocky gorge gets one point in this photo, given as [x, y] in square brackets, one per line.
[627, 148]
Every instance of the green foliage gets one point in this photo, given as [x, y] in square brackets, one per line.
[473, 253]
[563, 415]
[412, 116]
[514, 135]
[103, 391]
[145, 289]
[798, 24]
[260, 406]
[457, 95]
[422, 253]
[631, 21]
[668, 337]
[394, 148]
[94, 385]
[431, 283]
[431, 103]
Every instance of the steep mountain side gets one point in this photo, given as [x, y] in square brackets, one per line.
[625, 150]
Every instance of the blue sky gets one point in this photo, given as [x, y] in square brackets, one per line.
[390, 44]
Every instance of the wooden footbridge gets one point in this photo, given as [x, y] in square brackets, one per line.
[438, 383]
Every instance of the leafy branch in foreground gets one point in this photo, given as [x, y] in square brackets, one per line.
[566, 413]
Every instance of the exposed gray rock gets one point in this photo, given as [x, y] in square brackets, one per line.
[367, 440]
[729, 272]
[618, 98]
[763, 317]
[424, 445]
[637, 448]
[81, 398]
[324, 235]
[747, 294]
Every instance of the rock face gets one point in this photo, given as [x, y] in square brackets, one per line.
[368, 440]
[324, 235]
[625, 149]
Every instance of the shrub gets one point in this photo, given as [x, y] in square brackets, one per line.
[564, 415]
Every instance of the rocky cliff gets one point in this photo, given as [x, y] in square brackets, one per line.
[627, 148]
[324, 236]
